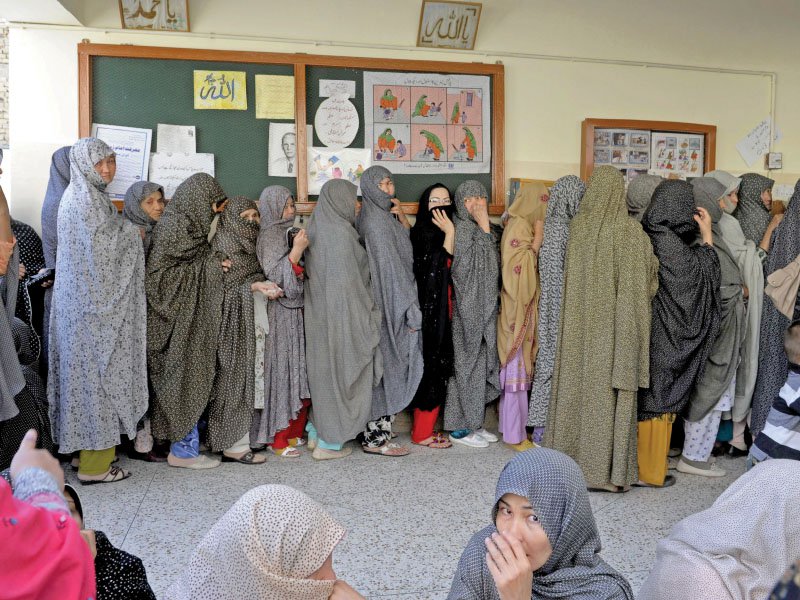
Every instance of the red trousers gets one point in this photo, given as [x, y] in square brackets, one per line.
[424, 422]
[296, 428]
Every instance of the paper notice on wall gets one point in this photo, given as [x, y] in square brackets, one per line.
[274, 97]
[170, 169]
[782, 191]
[336, 122]
[756, 143]
[132, 147]
[325, 164]
[336, 87]
[176, 138]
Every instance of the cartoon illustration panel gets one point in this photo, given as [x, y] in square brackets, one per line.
[428, 143]
[391, 104]
[429, 105]
[464, 143]
[464, 106]
[391, 143]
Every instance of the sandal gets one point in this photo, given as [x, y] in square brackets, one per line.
[388, 449]
[113, 475]
[297, 442]
[248, 458]
[287, 452]
[437, 441]
[668, 481]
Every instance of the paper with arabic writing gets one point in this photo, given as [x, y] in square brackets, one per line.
[132, 148]
[220, 90]
[170, 169]
[274, 97]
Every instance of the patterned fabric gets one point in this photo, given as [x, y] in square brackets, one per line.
[602, 357]
[773, 362]
[475, 271]
[753, 216]
[377, 432]
[706, 556]
[751, 269]
[11, 378]
[557, 491]
[780, 437]
[342, 322]
[519, 293]
[265, 547]
[184, 308]
[97, 383]
[233, 393]
[29, 303]
[59, 180]
[565, 196]
[435, 288]
[640, 193]
[391, 262]
[120, 576]
[132, 209]
[285, 379]
[686, 309]
[723, 360]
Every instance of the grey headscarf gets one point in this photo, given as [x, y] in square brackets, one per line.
[475, 271]
[640, 192]
[565, 195]
[555, 486]
[11, 378]
[723, 361]
[342, 322]
[753, 216]
[132, 209]
[97, 384]
[59, 180]
[730, 182]
[391, 266]
[272, 246]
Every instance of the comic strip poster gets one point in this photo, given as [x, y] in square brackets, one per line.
[427, 122]
[677, 155]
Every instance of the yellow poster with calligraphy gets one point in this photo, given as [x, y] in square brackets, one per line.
[220, 90]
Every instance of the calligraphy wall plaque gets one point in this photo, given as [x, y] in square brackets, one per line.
[168, 15]
[221, 90]
[448, 24]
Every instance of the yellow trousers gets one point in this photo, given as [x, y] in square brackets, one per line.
[653, 442]
[96, 462]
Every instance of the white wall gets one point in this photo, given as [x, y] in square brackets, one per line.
[546, 100]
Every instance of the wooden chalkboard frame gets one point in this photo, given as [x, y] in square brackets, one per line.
[589, 125]
[87, 51]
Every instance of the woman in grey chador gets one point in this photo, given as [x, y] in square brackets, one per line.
[475, 271]
[281, 414]
[342, 323]
[391, 265]
[97, 387]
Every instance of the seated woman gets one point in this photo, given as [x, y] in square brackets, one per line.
[120, 576]
[739, 547]
[544, 541]
[275, 543]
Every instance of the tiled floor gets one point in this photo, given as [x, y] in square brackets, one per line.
[408, 519]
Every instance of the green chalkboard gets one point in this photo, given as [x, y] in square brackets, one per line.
[409, 187]
[140, 92]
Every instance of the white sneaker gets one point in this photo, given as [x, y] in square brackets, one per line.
[713, 471]
[473, 440]
[487, 435]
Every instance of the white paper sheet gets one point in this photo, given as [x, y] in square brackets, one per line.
[325, 164]
[756, 143]
[336, 122]
[170, 169]
[782, 191]
[132, 146]
[282, 150]
[336, 87]
[176, 138]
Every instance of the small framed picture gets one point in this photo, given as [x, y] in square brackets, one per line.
[165, 15]
[774, 160]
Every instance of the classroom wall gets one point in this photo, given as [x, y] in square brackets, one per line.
[546, 99]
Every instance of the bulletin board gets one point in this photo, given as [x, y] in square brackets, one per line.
[142, 86]
[666, 148]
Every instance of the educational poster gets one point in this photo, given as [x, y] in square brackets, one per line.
[626, 149]
[282, 150]
[325, 164]
[336, 121]
[170, 169]
[677, 155]
[424, 122]
[220, 90]
[132, 147]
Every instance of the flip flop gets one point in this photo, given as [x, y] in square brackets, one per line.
[246, 459]
[287, 452]
[438, 442]
[668, 481]
[114, 474]
[386, 450]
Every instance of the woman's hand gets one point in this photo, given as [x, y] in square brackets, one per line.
[226, 265]
[510, 568]
[21, 271]
[342, 591]
[481, 216]
[442, 221]
[397, 210]
[29, 456]
[268, 288]
[45, 284]
[703, 219]
[298, 246]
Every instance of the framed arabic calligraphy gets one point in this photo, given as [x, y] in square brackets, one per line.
[449, 24]
[167, 15]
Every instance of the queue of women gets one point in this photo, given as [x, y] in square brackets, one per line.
[210, 329]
